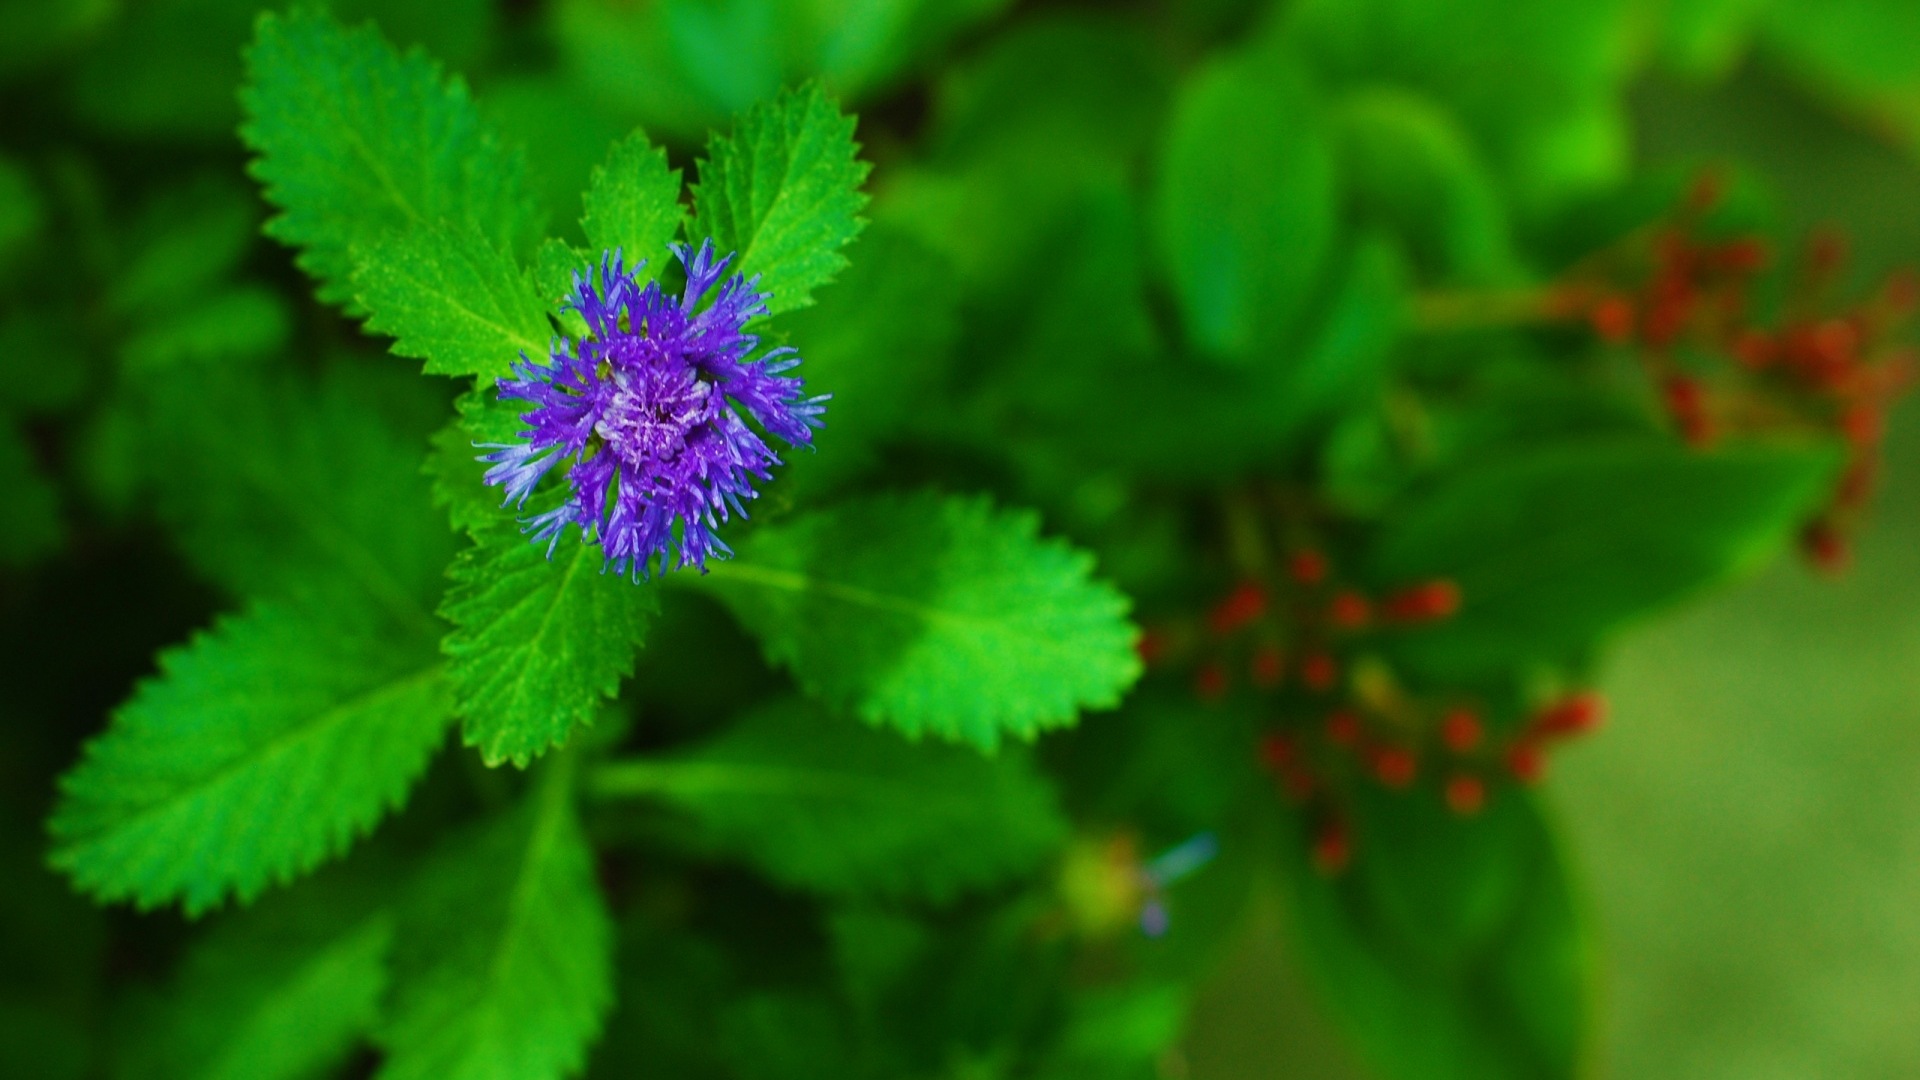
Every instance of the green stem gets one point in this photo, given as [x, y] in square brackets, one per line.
[1444, 311]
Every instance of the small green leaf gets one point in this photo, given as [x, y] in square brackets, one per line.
[505, 962]
[450, 297]
[458, 474]
[538, 644]
[355, 140]
[1452, 948]
[1246, 205]
[821, 802]
[265, 747]
[783, 190]
[935, 615]
[1555, 549]
[633, 204]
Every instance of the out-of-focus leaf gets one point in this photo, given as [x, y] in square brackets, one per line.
[1245, 206]
[30, 514]
[1451, 949]
[825, 803]
[1554, 549]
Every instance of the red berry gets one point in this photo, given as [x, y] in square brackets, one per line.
[1343, 728]
[1461, 731]
[1612, 318]
[1277, 752]
[1210, 682]
[1576, 715]
[1863, 424]
[1466, 795]
[1268, 667]
[1743, 256]
[1307, 567]
[1754, 349]
[1319, 671]
[1332, 849]
[1350, 611]
[1247, 602]
[1394, 766]
[1152, 646]
[1423, 603]
[1826, 548]
[1527, 762]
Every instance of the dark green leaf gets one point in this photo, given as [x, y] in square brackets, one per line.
[505, 960]
[1557, 548]
[823, 803]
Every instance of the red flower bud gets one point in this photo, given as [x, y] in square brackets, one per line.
[1461, 730]
[1424, 603]
[1350, 611]
[1247, 602]
[1466, 795]
[1826, 548]
[1575, 715]
[1152, 646]
[1307, 567]
[1332, 849]
[1268, 667]
[1319, 671]
[1394, 766]
[1612, 318]
[1527, 762]
[1210, 682]
[1343, 728]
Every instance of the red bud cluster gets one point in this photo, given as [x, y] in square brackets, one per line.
[1682, 302]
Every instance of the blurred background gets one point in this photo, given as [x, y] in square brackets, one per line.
[1749, 826]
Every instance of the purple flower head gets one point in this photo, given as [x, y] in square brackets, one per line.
[649, 407]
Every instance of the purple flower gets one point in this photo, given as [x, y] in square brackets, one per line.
[649, 408]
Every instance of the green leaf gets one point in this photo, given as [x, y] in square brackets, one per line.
[280, 992]
[450, 297]
[783, 190]
[458, 474]
[30, 514]
[21, 215]
[538, 644]
[355, 140]
[1246, 205]
[934, 615]
[1557, 548]
[272, 486]
[633, 204]
[265, 747]
[505, 962]
[1452, 948]
[820, 802]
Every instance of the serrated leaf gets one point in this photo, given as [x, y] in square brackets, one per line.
[783, 190]
[538, 645]
[449, 296]
[273, 486]
[264, 747]
[934, 615]
[821, 802]
[505, 966]
[633, 204]
[355, 139]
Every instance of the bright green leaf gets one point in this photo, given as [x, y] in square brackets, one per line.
[450, 297]
[633, 204]
[265, 747]
[355, 140]
[822, 802]
[505, 964]
[783, 190]
[934, 615]
[538, 644]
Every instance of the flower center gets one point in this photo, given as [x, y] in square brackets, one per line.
[651, 416]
